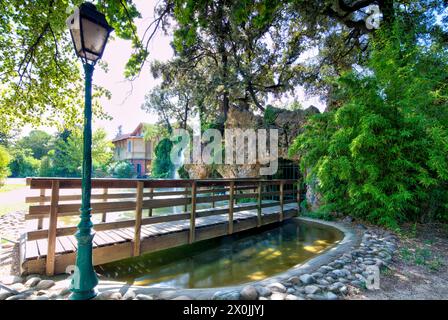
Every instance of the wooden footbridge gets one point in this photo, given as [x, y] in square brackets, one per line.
[205, 209]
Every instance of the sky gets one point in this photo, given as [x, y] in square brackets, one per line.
[127, 98]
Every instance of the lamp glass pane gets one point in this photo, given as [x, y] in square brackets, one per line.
[95, 37]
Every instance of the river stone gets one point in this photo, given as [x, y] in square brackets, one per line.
[331, 296]
[19, 287]
[167, 295]
[182, 298]
[143, 297]
[323, 282]
[104, 295]
[293, 297]
[129, 295]
[18, 297]
[312, 289]
[343, 290]
[317, 275]
[277, 287]
[263, 291]
[41, 298]
[64, 291]
[226, 295]
[294, 280]
[249, 293]
[45, 284]
[262, 298]
[5, 294]
[290, 290]
[278, 296]
[9, 280]
[32, 282]
[306, 279]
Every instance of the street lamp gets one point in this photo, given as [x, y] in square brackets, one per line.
[89, 31]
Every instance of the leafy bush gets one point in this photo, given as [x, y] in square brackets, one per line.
[270, 114]
[122, 169]
[4, 161]
[162, 167]
[23, 164]
[383, 155]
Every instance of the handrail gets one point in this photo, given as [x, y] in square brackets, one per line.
[192, 192]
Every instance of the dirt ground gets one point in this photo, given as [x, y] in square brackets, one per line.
[420, 268]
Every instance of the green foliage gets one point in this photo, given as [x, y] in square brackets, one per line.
[42, 82]
[65, 160]
[4, 162]
[122, 170]
[37, 141]
[162, 167]
[23, 164]
[270, 114]
[183, 173]
[383, 154]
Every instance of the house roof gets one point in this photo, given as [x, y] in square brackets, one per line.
[125, 136]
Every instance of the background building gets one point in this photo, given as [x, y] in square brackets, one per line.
[132, 147]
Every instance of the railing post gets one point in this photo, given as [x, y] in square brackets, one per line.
[193, 213]
[40, 222]
[231, 192]
[151, 195]
[52, 228]
[186, 199]
[259, 201]
[281, 200]
[138, 218]
[103, 218]
[213, 197]
[298, 197]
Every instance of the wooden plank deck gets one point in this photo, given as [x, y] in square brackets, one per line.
[117, 244]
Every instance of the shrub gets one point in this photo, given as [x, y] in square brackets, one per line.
[23, 164]
[383, 155]
[4, 162]
[122, 169]
[162, 167]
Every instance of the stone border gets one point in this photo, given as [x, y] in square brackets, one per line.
[352, 238]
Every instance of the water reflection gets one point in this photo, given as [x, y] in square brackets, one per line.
[229, 260]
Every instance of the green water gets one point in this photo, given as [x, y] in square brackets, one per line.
[242, 257]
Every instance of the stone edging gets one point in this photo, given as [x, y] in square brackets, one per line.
[351, 239]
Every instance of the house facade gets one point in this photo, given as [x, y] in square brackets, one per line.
[132, 147]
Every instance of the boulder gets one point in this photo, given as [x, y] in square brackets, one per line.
[312, 289]
[32, 282]
[249, 293]
[45, 284]
[307, 279]
[277, 287]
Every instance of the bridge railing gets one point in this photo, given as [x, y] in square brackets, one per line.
[137, 195]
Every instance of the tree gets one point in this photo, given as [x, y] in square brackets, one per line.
[242, 52]
[23, 164]
[37, 141]
[162, 167]
[383, 154]
[40, 75]
[66, 157]
[4, 162]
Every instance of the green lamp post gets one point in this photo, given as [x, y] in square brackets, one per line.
[89, 31]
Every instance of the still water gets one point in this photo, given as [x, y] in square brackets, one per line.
[242, 257]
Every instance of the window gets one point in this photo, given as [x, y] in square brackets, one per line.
[129, 146]
[118, 151]
[139, 169]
